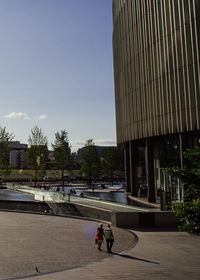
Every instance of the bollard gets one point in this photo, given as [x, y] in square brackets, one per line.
[69, 197]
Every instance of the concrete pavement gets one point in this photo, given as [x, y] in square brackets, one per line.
[157, 256]
[31, 244]
[39, 247]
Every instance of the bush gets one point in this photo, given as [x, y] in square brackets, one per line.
[188, 211]
[189, 214]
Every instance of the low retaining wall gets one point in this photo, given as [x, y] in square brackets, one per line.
[27, 206]
[144, 219]
[94, 213]
[43, 207]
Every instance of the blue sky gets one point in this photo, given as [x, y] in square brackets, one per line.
[56, 69]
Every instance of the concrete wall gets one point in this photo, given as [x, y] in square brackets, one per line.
[42, 207]
[166, 218]
[119, 219]
[28, 206]
[94, 213]
[144, 219]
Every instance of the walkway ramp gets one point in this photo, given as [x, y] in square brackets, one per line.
[63, 209]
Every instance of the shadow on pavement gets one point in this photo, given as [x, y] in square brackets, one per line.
[133, 258]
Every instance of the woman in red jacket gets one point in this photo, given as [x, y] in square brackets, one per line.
[99, 236]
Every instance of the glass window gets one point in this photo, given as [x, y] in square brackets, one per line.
[170, 53]
[167, 14]
[176, 11]
[197, 82]
[160, 20]
[189, 44]
[181, 12]
[192, 89]
[173, 93]
[179, 51]
[186, 12]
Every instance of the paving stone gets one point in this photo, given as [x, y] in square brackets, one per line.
[158, 255]
[50, 243]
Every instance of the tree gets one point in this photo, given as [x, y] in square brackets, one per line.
[189, 209]
[90, 162]
[62, 153]
[37, 152]
[5, 139]
[110, 161]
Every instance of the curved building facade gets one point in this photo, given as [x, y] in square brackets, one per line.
[156, 50]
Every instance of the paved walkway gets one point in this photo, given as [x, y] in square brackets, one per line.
[157, 256]
[50, 243]
[111, 206]
[40, 245]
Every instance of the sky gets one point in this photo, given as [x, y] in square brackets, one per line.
[56, 69]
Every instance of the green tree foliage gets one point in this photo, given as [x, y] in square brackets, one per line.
[5, 139]
[189, 210]
[90, 162]
[37, 152]
[110, 161]
[62, 153]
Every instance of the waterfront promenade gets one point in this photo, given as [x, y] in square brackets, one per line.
[59, 197]
[39, 247]
[50, 243]
[157, 256]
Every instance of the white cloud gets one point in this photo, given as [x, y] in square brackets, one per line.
[18, 115]
[42, 117]
[105, 142]
[24, 116]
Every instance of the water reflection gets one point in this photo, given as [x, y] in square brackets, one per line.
[6, 194]
[118, 197]
[113, 196]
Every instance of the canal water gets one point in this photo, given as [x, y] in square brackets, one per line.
[118, 197]
[114, 196]
[6, 194]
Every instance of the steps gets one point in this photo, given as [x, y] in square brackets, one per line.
[63, 209]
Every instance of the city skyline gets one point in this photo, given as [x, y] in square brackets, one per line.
[56, 69]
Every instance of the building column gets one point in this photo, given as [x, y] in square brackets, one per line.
[127, 166]
[181, 149]
[133, 151]
[150, 171]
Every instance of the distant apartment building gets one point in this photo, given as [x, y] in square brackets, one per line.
[17, 154]
[156, 50]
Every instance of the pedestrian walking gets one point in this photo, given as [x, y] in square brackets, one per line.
[99, 236]
[108, 233]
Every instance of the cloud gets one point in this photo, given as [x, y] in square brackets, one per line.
[23, 116]
[42, 117]
[105, 142]
[18, 115]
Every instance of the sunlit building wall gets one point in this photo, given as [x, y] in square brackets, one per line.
[157, 88]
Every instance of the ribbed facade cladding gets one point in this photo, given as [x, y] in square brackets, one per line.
[156, 46]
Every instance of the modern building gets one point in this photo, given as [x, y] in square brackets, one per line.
[156, 50]
[17, 154]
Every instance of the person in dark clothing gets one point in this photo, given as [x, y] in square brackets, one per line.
[109, 238]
